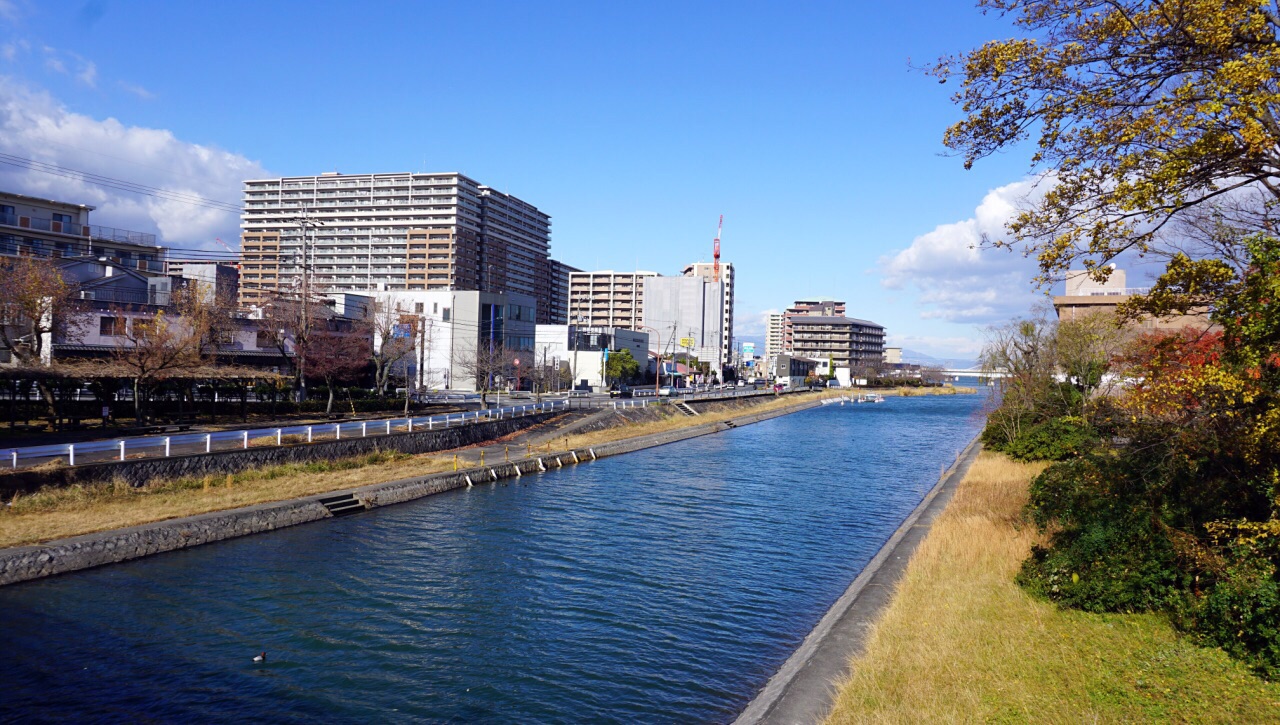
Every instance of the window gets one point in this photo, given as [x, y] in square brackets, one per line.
[63, 218]
[111, 326]
[418, 307]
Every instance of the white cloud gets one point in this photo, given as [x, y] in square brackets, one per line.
[55, 64]
[137, 90]
[88, 74]
[753, 325]
[937, 346]
[955, 279]
[35, 125]
[10, 51]
[9, 10]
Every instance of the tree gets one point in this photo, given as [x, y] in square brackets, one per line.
[1144, 110]
[392, 330]
[621, 367]
[487, 366]
[163, 343]
[336, 356]
[37, 305]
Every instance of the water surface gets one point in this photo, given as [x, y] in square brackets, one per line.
[666, 585]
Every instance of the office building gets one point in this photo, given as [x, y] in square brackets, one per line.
[706, 270]
[607, 298]
[387, 232]
[1084, 296]
[688, 311]
[215, 280]
[580, 351]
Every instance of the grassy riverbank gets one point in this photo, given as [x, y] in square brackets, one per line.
[961, 642]
[80, 509]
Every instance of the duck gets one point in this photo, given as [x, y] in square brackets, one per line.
[260, 658]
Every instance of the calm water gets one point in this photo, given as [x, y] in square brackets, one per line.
[662, 586]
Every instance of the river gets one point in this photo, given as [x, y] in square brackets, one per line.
[665, 585]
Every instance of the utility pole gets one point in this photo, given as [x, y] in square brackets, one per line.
[306, 225]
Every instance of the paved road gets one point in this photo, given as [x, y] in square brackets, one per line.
[187, 443]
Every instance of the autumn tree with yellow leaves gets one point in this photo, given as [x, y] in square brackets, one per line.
[1142, 111]
[1157, 135]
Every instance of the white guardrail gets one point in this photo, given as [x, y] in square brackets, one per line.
[188, 443]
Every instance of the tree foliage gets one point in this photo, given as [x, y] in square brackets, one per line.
[1142, 110]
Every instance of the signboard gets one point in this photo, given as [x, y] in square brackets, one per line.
[402, 330]
[748, 349]
[687, 342]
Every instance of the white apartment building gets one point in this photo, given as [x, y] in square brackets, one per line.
[607, 298]
[706, 270]
[773, 340]
[396, 231]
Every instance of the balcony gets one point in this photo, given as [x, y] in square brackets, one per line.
[126, 297]
[111, 234]
[42, 225]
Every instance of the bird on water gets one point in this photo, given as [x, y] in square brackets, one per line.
[260, 658]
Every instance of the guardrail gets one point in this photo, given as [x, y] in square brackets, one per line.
[123, 449]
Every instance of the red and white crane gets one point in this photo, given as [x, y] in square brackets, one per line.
[715, 267]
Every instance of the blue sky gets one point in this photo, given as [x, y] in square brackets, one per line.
[634, 125]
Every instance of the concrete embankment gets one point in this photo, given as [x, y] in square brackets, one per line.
[90, 550]
[139, 472]
[803, 689]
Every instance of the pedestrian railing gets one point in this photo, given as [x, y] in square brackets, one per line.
[191, 443]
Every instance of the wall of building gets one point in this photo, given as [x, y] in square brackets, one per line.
[689, 307]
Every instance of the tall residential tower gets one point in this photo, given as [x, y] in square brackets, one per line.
[391, 232]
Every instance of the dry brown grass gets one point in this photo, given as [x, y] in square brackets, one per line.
[81, 509]
[961, 642]
[84, 508]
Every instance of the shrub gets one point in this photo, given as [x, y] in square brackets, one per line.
[1053, 440]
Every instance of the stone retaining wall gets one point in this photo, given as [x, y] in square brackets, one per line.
[82, 552]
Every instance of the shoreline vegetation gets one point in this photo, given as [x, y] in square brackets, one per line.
[961, 642]
[57, 513]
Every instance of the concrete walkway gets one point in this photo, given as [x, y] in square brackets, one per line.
[803, 689]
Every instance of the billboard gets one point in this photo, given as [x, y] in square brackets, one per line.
[748, 349]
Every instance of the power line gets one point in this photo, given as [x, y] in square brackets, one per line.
[119, 184]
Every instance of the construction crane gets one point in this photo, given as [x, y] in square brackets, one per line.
[715, 267]
[235, 263]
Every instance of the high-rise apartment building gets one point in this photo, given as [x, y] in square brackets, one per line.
[773, 339]
[560, 275]
[706, 270]
[817, 307]
[371, 232]
[845, 342]
[607, 299]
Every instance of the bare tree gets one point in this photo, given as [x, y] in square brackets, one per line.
[487, 366]
[37, 305]
[336, 356]
[393, 330]
[168, 342]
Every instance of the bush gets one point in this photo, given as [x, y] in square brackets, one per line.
[1052, 440]
[1106, 554]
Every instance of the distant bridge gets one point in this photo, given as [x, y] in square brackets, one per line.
[972, 373]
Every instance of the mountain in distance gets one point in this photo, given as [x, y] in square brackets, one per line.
[949, 363]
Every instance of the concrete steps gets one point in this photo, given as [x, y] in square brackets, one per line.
[684, 407]
[344, 505]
